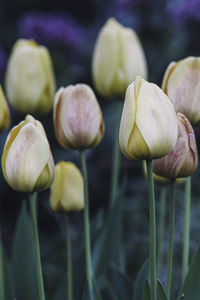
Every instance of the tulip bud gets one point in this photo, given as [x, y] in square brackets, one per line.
[118, 58]
[78, 120]
[182, 85]
[27, 161]
[4, 112]
[67, 192]
[148, 126]
[30, 82]
[182, 160]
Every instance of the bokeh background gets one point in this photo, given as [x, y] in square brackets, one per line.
[168, 30]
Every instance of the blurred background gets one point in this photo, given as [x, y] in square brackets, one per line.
[168, 30]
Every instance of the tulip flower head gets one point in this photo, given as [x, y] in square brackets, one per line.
[118, 59]
[182, 84]
[78, 120]
[30, 81]
[182, 160]
[4, 112]
[27, 162]
[148, 126]
[67, 192]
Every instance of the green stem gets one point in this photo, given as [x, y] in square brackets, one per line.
[116, 157]
[32, 201]
[86, 221]
[161, 229]
[171, 237]
[152, 216]
[2, 294]
[69, 261]
[186, 242]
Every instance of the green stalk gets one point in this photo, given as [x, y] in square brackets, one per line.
[2, 294]
[161, 228]
[32, 201]
[116, 157]
[186, 242]
[171, 237]
[86, 222]
[69, 261]
[152, 216]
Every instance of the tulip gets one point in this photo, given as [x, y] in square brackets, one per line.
[182, 84]
[117, 59]
[4, 112]
[78, 120]
[27, 161]
[148, 126]
[67, 192]
[30, 82]
[182, 160]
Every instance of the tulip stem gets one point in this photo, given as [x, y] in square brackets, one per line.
[186, 241]
[161, 228]
[86, 221]
[69, 260]
[116, 157]
[2, 294]
[152, 216]
[171, 237]
[33, 202]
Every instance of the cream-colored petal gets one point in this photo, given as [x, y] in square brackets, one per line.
[26, 158]
[56, 189]
[156, 119]
[4, 112]
[105, 58]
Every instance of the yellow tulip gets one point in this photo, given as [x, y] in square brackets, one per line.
[148, 126]
[67, 192]
[182, 84]
[118, 59]
[30, 82]
[4, 112]
[182, 160]
[27, 162]
[78, 120]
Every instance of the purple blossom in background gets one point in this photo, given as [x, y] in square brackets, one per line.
[50, 29]
[130, 3]
[187, 9]
[3, 59]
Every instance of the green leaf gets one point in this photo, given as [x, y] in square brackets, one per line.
[6, 277]
[109, 247]
[140, 282]
[23, 259]
[161, 291]
[191, 286]
[146, 291]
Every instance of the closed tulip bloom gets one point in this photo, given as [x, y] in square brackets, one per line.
[30, 82]
[182, 160]
[148, 126]
[182, 84]
[118, 59]
[78, 120]
[67, 192]
[4, 112]
[27, 162]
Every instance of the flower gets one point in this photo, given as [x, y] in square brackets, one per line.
[4, 112]
[27, 162]
[148, 126]
[183, 159]
[30, 82]
[78, 120]
[117, 59]
[67, 192]
[182, 85]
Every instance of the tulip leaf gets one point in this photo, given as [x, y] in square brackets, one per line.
[109, 247]
[23, 259]
[146, 291]
[6, 277]
[161, 291]
[191, 287]
[140, 282]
